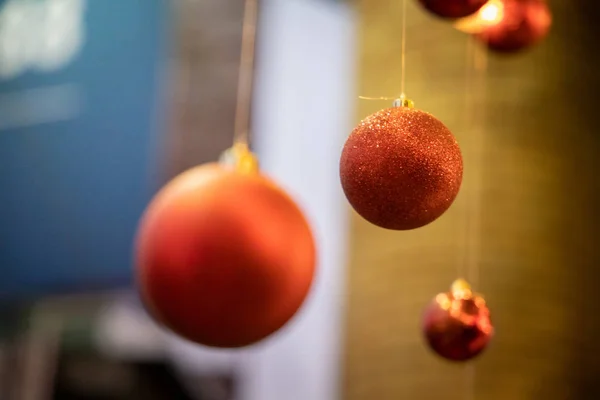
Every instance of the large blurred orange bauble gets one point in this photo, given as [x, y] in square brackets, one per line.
[224, 258]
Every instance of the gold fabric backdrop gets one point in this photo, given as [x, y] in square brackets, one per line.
[538, 226]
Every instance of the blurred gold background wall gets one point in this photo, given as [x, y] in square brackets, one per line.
[539, 221]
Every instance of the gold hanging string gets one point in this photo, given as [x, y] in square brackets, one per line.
[246, 74]
[403, 52]
[401, 100]
[239, 155]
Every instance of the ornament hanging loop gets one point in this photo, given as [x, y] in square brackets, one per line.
[375, 98]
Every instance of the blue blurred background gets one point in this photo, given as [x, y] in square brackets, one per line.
[79, 139]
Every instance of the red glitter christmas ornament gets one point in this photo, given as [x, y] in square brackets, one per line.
[453, 8]
[512, 25]
[457, 324]
[401, 168]
[225, 258]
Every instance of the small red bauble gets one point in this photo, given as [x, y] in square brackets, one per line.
[457, 324]
[224, 258]
[401, 168]
[521, 24]
[453, 8]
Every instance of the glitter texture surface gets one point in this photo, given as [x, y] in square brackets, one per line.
[401, 168]
[457, 325]
[453, 8]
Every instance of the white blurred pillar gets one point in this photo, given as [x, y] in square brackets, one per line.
[303, 112]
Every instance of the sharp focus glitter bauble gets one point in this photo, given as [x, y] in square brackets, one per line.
[457, 324]
[224, 258]
[453, 8]
[401, 168]
[520, 24]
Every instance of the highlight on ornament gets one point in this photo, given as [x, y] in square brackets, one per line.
[224, 257]
[453, 8]
[457, 324]
[508, 26]
[401, 168]
[489, 15]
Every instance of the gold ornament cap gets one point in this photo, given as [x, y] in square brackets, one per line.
[461, 289]
[240, 158]
[402, 101]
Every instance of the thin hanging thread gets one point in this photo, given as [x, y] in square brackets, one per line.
[403, 54]
[480, 61]
[376, 98]
[474, 118]
[402, 60]
[464, 266]
[463, 257]
[475, 96]
[246, 73]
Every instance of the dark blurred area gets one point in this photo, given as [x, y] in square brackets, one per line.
[102, 101]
